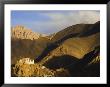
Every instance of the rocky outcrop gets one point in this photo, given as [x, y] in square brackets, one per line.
[36, 70]
[22, 32]
[30, 70]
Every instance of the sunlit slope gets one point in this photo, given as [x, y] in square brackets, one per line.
[76, 46]
[74, 29]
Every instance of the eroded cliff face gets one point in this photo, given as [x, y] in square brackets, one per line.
[21, 32]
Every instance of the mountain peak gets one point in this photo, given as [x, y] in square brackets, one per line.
[21, 32]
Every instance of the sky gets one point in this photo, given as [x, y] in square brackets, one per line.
[52, 21]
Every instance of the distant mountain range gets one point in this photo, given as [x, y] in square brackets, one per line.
[75, 47]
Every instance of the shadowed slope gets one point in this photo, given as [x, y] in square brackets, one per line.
[91, 30]
[26, 48]
[76, 67]
[60, 61]
[74, 44]
[76, 47]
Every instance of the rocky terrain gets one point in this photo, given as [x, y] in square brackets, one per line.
[26, 69]
[21, 32]
[73, 51]
[25, 43]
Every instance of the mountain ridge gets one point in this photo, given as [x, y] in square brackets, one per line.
[72, 41]
[22, 32]
[75, 49]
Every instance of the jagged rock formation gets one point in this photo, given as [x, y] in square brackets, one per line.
[21, 32]
[95, 60]
[34, 70]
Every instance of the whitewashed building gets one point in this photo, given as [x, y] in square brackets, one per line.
[26, 61]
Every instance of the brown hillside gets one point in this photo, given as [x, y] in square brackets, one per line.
[74, 44]
[78, 28]
[74, 51]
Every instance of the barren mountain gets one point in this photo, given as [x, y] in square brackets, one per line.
[76, 49]
[25, 43]
[74, 44]
[21, 32]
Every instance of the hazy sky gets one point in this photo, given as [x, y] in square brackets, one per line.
[48, 22]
